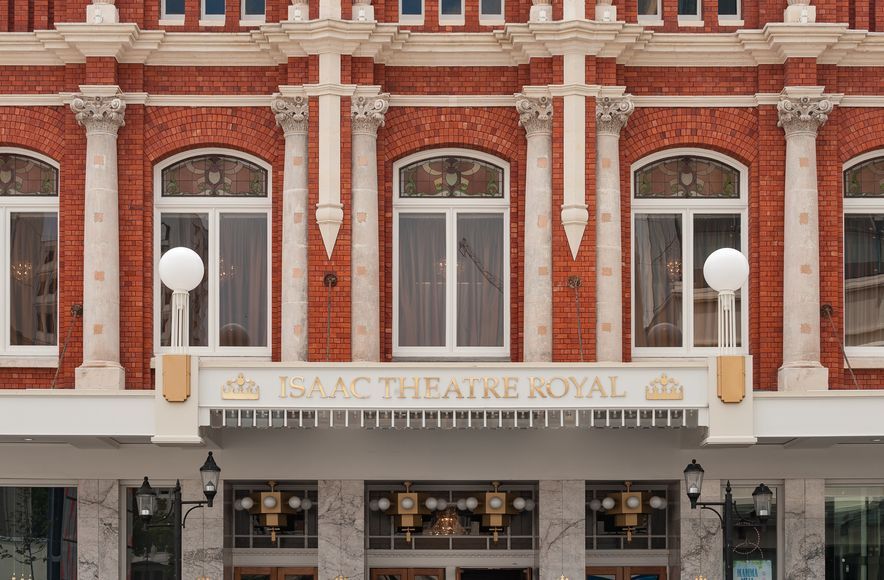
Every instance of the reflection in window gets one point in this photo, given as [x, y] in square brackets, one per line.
[864, 279]
[865, 179]
[854, 532]
[33, 279]
[712, 232]
[38, 533]
[150, 550]
[658, 280]
[451, 177]
[214, 176]
[755, 546]
[190, 230]
[687, 177]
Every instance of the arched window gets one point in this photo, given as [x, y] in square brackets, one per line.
[217, 203]
[864, 255]
[451, 255]
[29, 255]
[686, 204]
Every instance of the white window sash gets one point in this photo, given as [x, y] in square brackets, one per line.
[412, 18]
[656, 18]
[452, 19]
[492, 17]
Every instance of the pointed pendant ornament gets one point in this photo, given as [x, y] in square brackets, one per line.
[574, 220]
[329, 216]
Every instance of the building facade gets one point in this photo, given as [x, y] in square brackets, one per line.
[453, 321]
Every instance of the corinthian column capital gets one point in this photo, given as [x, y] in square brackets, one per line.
[612, 114]
[291, 114]
[99, 114]
[368, 113]
[804, 114]
[535, 114]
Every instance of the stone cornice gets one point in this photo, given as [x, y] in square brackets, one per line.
[514, 44]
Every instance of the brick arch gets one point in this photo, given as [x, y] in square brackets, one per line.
[39, 129]
[169, 131]
[860, 131]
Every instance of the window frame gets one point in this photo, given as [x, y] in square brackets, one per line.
[492, 18]
[252, 19]
[414, 19]
[688, 208]
[652, 19]
[27, 204]
[213, 19]
[692, 18]
[451, 207]
[857, 205]
[214, 208]
[779, 488]
[452, 19]
[733, 19]
[166, 18]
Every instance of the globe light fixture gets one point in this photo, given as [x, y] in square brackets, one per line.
[181, 270]
[726, 270]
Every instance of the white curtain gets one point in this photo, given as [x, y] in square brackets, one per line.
[658, 280]
[864, 279]
[33, 272]
[422, 272]
[480, 280]
[243, 280]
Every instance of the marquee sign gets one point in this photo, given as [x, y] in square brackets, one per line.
[453, 386]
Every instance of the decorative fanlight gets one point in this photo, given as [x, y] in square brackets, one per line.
[629, 508]
[272, 508]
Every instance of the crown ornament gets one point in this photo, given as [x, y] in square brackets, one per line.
[664, 388]
[240, 389]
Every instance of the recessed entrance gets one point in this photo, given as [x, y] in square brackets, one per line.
[267, 573]
[493, 574]
[626, 573]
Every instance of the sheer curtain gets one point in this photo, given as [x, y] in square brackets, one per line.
[864, 279]
[190, 230]
[422, 272]
[712, 232]
[242, 273]
[33, 282]
[658, 280]
[480, 280]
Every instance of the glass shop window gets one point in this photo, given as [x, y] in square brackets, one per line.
[38, 533]
[755, 545]
[854, 532]
[28, 256]
[218, 205]
[684, 208]
[451, 258]
[151, 551]
[607, 529]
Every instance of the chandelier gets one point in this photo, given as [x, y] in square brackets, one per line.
[447, 523]
[22, 271]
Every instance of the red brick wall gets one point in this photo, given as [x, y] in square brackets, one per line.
[641, 80]
[452, 80]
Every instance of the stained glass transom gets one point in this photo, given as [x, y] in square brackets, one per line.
[865, 179]
[451, 177]
[214, 176]
[21, 175]
[687, 177]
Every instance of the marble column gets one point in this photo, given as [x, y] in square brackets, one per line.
[535, 115]
[701, 538]
[341, 529]
[98, 529]
[562, 518]
[801, 118]
[292, 115]
[804, 530]
[611, 116]
[202, 539]
[367, 115]
[102, 117]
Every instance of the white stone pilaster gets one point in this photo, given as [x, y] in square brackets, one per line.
[612, 114]
[562, 521]
[102, 117]
[535, 115]
[804, 535]
[341, 529]
[575, 215]
[98, 529]
[367, 115]
[329, 209]
[801, 118]
[292, 115]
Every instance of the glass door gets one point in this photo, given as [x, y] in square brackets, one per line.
[268, 573]
[626, 573]
[408, 574]
[604, 574]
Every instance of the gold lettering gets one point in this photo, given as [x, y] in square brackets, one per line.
[317, 386]
[453, 387]
[431, 387]
[471, 381]
[536, 387]
[510, 388]
[354, 391]
[614, 393]
[579, 386]
[296, 387]
[387, 381]
[597, 388]
[340, 387]
[490, 387]
[283, 383]
[551, 392]
[414, 388]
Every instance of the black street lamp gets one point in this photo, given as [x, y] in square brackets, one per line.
[146, 503]
[761, 498]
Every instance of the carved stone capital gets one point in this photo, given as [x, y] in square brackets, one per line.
[99, 114]
[368, 113]
[612, 114]
[291, 114]
[535, 114]
[803, 115]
